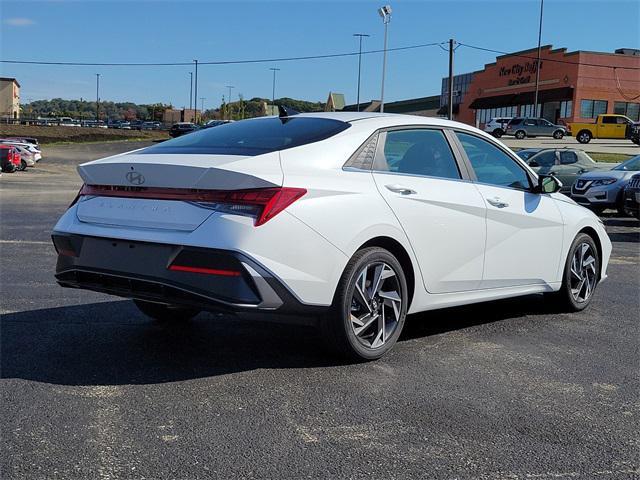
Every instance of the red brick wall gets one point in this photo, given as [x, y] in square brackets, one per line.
[592, 83]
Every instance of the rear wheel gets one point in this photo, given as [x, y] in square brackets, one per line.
[498, 132]
[23, 165]
[581, 274]
[165, 313]
[520, 134]
[584, 136]
[558, 134]
[369, 307]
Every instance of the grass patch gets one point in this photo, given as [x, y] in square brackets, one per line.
[609, 157]
[60, 135]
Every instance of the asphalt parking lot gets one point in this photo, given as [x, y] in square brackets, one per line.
[626, 147]
[506, 390]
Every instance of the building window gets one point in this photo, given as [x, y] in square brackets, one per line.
[566, 109]
[527, 110]
[592, 108]
[631, 110]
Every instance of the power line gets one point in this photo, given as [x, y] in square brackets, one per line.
[484, 49]
[220, 62]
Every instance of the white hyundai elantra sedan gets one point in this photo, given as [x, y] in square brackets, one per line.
[349, 221]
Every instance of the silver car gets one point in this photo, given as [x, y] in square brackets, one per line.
[600, 190]
[522, 127]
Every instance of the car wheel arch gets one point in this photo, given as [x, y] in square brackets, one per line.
[401, 254]
[596, 239]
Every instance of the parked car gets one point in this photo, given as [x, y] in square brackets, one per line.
[522, 127]
[566, 164]
[327, 217]
[605, 126]
[28, 154]
[215, 123]
[31, 140]
[600, 190]
[182, 128]
[635, 133]
[497, 126]
[526, 153]
[632, 196]
[150, 126]
[136, 124]
[9, 158]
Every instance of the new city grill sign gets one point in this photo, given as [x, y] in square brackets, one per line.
[520, 72]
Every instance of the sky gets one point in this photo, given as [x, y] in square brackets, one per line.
[180, 31]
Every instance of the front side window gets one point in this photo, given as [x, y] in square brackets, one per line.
[567, 158]
[419, 152]
[492, 165]
[543, 159]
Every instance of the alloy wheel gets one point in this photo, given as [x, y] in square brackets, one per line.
[376, 305]
[583, 272]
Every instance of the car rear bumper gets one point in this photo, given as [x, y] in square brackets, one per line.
[204, 278]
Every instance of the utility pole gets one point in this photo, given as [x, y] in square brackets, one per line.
[450, 106]
[359, 35]
[229, 102]
[191, 91]
[385, 13]
[535, 102]
[273, 88]
[195, 96]
[97, 97]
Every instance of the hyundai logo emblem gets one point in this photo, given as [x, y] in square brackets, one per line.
[135, 178]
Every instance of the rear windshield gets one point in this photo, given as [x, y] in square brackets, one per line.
[253, 137]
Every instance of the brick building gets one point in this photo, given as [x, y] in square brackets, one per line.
[573, 86]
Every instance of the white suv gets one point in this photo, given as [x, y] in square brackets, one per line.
[497, 126]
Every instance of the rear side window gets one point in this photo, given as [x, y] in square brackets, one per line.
[253, 137]
[419, 152]
[543, 159]
[515, 121]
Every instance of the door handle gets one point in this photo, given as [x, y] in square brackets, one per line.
[496, 202]
[400, 189]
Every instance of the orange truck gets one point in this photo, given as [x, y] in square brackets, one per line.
[606, 126]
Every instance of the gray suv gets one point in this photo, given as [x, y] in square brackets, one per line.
[522, 127]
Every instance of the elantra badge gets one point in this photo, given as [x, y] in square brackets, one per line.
[135, 178]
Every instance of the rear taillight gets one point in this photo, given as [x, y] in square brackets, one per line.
[261, 203]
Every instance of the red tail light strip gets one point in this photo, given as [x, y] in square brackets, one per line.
[206, 271]
[271, 200]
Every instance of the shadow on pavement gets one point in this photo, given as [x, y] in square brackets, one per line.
[111, 343]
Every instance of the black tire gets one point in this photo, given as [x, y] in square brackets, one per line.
[584, 136]
[566, 301]
[165, 313]
[23, 165]
[558, 134]
[337, 327]
[521, 134]
[498, 132]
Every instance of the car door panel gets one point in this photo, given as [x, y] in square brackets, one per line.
[524, 229]
[444, 218]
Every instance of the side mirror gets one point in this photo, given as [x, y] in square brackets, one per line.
[548, 184]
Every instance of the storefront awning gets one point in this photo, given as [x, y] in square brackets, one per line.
[524, 98]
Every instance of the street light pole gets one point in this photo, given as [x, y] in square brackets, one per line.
[273, 89]
[359, 35]
[202, 99]
[385, 13]
[195, 95]
[191, 91]
[450, 80]
[535, 102]
[97, 97]
[229, 101]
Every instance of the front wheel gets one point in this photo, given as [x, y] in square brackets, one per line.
[581, 274]
[520, 134]
[165, 313]
[369, 308]
[497, 133]
[558, 134]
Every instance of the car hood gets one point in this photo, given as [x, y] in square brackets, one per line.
[617, 174]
